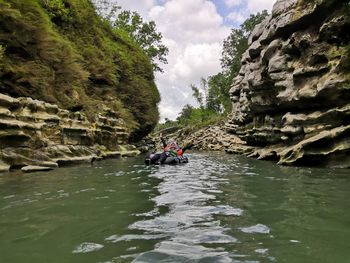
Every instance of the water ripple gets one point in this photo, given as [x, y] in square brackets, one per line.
[259, 228]
[216, 208]
[178, 252]
[116, 238]
[190, 224]
[87, 247]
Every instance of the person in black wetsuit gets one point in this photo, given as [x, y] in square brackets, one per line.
[170, 150]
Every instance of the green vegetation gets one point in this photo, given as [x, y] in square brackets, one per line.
[237, 43]
[213, 93]
[145, 34]
[62, 52]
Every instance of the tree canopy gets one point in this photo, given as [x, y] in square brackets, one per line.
[144, 33]
[237, 43]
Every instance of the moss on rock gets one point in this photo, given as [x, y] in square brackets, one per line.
[62, 52]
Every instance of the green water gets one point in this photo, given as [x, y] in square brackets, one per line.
[216, 208]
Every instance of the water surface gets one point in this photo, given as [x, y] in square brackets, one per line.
[216, 208]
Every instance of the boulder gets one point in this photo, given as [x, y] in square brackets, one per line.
[4, 167]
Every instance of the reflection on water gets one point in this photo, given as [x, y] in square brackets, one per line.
[216, 208]
[189, 191]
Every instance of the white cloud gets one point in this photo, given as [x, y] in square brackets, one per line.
[189, 21]
[237, 17]
[255, 6]
[188, 62]
[197, 60]
[194, 31]
[246, 8]
[232, 3]
[141, 6]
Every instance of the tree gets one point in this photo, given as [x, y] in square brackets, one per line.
[213, 92]
[201, 93]
[145, 34]
[250, 23]
[185, 113]
[107, 9]
[234, 46]
[237, 43]
[218, 99]
[197, 95]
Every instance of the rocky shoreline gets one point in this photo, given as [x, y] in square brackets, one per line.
[37, 136]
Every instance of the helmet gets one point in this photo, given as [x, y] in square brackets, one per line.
[173, 145]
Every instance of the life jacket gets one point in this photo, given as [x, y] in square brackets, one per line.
[173, 153]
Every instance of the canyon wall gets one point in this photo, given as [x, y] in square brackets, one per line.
[35, 135]
[291, 99]
[72, 87]
[63, 53]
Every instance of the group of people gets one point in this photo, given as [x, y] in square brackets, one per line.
[171, 149]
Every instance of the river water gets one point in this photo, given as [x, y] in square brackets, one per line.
[216, 208]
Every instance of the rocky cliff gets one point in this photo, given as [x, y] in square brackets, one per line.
[291, 99]
[36, 135]
[72, 88]
[63, 53]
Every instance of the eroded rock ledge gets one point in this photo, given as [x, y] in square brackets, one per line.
[291, 99]
[35, 135]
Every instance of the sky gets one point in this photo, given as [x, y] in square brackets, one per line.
[194, 31]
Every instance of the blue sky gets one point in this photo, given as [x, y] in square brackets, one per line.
[224, 11]
[194, 31]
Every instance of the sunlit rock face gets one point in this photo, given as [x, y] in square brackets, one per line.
[36, 135]
[291, 99]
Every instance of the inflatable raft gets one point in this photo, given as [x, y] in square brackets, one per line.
[149, 160]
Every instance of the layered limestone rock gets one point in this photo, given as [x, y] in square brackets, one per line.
[211, 138]
[291, 99]
[36, 136]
